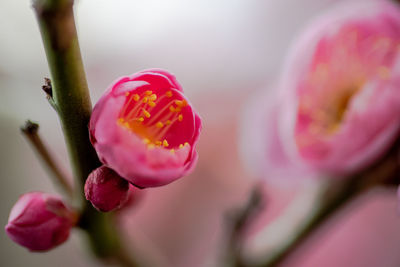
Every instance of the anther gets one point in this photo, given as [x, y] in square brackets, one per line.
[148, 92]
[168, 94]
[168, 122]
[165, 143]
[136, 97]
[159, 124]
[180, 117]
[153, 97]
[181, 103]
[171, 108]
[146, 113]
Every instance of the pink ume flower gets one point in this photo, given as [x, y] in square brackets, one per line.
[40, 221]
[106, 190]
[337, 108]
[145, 129]
[343, 87]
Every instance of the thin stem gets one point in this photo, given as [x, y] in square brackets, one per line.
[72, 101]
[30, 131]
[237, 223]
[323, 210]
[331, 198]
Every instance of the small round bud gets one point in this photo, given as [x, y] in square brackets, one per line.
[106, 190]
[39, 221]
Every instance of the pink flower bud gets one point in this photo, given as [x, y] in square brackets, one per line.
[145, 129]
[39, 221]
[337, 107]
[106, 190]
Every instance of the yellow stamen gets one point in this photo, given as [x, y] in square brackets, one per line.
[158, 115]
[186, 143]
[165, 143]
[142, 117]
[146, 113]
[153, 97]
[181, 103]
[172, 151]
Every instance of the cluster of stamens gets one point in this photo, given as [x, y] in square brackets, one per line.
[140, 116]
[327, 118]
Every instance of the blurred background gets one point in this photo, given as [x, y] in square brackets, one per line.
[222, 51]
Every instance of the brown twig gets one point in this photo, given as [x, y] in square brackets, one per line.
[335, 194]
[238, 222]
[30, 131]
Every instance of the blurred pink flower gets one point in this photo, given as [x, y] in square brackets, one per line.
[338, 107]
[145, 129]
[343, 80]
[39, 221]
[106, 190]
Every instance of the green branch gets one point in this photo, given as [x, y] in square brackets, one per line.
[70, 96]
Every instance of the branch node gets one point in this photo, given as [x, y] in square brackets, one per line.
[30, 127]
[47, 88]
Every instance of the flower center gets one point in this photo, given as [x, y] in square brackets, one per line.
[333, 114]
[151, 116]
